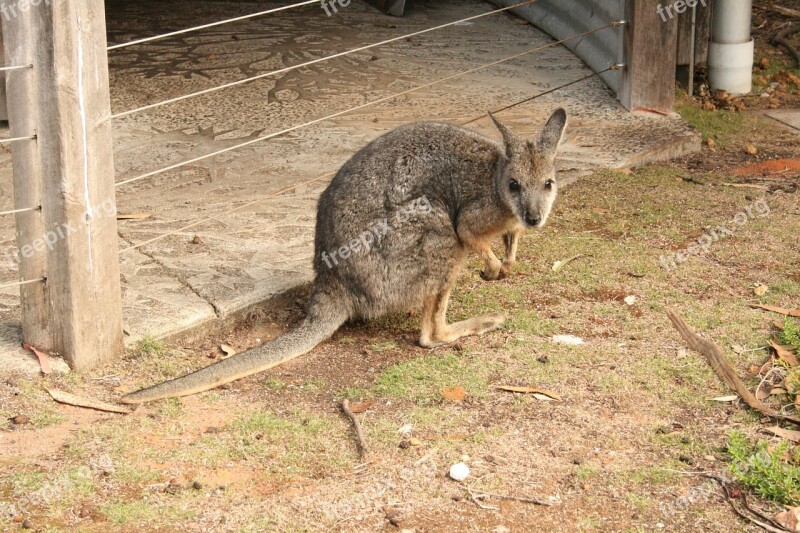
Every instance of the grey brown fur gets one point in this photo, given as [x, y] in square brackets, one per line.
[473, 190]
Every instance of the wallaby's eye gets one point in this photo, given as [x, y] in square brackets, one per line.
[513, 186]
[548, 184]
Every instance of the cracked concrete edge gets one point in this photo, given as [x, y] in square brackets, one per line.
[676, 146]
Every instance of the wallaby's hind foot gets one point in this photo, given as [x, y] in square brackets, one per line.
[452, 332]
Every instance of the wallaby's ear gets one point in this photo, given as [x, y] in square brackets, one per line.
[509, 139]
[553, 133]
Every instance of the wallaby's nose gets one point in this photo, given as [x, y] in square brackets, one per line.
[532, 220]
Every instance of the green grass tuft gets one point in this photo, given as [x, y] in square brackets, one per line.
[790, 335]
[772, 473]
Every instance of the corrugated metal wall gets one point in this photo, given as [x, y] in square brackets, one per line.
[562, 18]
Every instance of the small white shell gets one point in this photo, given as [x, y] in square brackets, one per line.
[567, 339]
[459, 471]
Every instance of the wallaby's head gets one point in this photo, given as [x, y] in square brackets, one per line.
[527, 178]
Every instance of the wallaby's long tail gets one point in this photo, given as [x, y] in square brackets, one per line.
[295, 343]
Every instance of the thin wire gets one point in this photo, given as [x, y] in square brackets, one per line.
[329, 174]
[18, 67]
[248, 204]
[211, 25]
[24, 210]
[592, 75]
[319, 60]
[14, 139]
[19, 283]
[361, 106]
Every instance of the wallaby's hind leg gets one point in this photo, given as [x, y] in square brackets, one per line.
[435, 329]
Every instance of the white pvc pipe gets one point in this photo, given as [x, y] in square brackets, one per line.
[730, 54]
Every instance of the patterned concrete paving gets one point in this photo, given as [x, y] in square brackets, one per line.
[220, 267]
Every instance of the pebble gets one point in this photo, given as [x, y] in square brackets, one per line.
[459, 471]
[27, 524]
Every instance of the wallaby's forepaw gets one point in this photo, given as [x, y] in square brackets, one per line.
[494, 275]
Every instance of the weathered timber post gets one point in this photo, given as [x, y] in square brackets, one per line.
[650, 48]
[68, 170]
[3, 107]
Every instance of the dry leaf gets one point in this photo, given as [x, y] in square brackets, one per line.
[779, 310]
[784, 354]
[455, 394]
[134, 216]
[789, 519]
[558, 265]
[44, 361]
[760, 289]
[79, 401]
[731, 398]
[360, 407]
[789, 434]
[406, 429]
[531, 390]
[762, 393]
[228, 350]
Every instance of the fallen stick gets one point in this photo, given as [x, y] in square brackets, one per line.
[787, 11]
[362, 447]
[90, 403]
[768, 524]
[723, 369]
[478, 492]
[476, 500]
[779, 310]
[781, 38]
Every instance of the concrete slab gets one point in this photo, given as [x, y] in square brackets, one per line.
[251, 255]
[788, 117]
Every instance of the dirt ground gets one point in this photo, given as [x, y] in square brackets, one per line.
[619, 451]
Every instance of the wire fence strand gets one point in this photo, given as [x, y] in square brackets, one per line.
[15, 139]
[314, 61]
[361, 106]
[20, 283]
[18, 67]
[331, 174]
[23, 210]
[210, 25]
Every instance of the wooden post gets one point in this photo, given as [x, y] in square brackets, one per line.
[650, 48]
[68, 170]
[3, 106]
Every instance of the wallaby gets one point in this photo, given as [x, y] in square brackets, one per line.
[393, 228]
